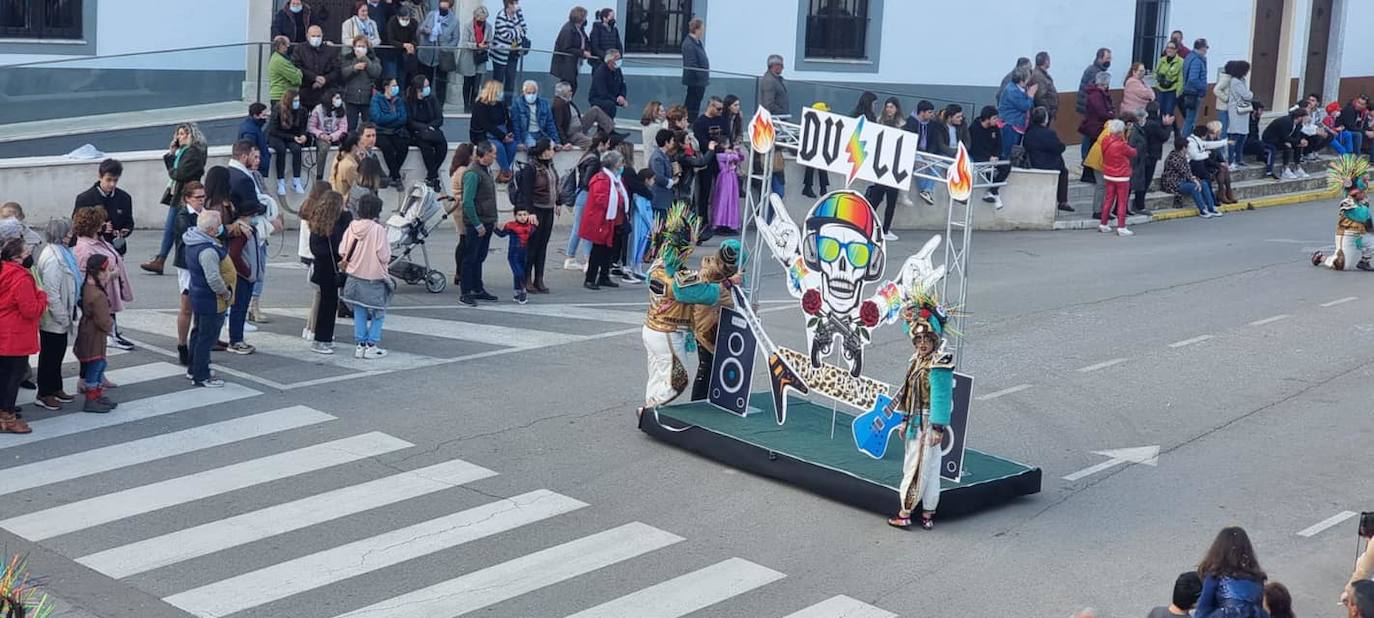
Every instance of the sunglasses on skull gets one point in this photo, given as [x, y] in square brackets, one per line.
[859, 252]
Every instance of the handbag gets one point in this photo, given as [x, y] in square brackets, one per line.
[447, 63]
[1244, 108]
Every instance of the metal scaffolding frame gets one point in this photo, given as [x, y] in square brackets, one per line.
[958, 222]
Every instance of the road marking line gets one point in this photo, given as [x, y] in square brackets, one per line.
[367, 555]
[1318, 527]
[489, 334]
[571, 312]
[842, 606]
[113, 457]
[1271, 320]
[1188, 342]
[130, 411]
[1006, 391]
[206, 539]
[688, 593]
[129, 375]
[1340, 301]
[104, 509]
[528, 573]
[1101, 365]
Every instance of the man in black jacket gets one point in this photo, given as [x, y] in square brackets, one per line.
[292, 21]
[1285, 134]
[319, 67]
[605, 36]
[696, 66]
[118, 205]
[608, 85]
[243, 190]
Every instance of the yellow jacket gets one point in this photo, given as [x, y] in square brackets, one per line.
[1094, 159]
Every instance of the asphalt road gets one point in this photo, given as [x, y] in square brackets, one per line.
[1214, 340]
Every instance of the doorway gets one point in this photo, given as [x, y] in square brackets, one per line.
[1264, 57]
[1318, 40]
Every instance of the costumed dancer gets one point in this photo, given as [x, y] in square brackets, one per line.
[718, 268]
[673, 289]
[1350, 172]
[925, 400]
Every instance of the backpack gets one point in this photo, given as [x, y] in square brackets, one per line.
[513, 188]
[567, 188]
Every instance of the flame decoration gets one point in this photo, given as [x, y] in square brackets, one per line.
[959, 179]
[858, 151]
[762, 135]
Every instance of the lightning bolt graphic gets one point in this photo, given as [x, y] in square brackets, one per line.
[857, 149]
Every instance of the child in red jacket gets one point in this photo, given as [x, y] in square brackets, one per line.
[1116, 171]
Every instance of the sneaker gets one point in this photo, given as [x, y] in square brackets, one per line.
[607, 283]
[248, 327]
[1121, 231]
[1288, 174]
[28, 385]
[106, 383]
[210, 383]
[1205, 215]
[358, 350]
[808, 192]
[95, 406]
[297, 186]
[997, 201]
[617, 271]
[48, 402]
[320, 347]
[241, 348]
[906, 200]
[1104, 229]
[929, 199]
[106, 401]
[1232, 166]
[889, 236]
[571, 264]
[484, 295]
[1302, 173]
[989, 198]
[1218, 213]
[629, 278]
[115, 341]
[63, 397]
[307, 334]
[520, 298]
[373, 351]
[1065, 208]
[281, 187]
[467, 301]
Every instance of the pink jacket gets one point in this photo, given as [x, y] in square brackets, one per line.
[372, 254]
[1136, 95]
[319, 125]
[117, 286]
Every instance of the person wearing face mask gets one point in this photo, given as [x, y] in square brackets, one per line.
[570, 48]
[1101, 62]
[361, 24]
[425, 116]
[532, 118]
[491, 122]
[319, 67]
[381, 11]
[608, 85]
[607, 203]
[359, 72]
[286, 134]
[22, 305]
[393, 138]
[58, 274]
[510, 36]
[328, 124]
[281, 72]
[401, 35]
[605, 36]
[292, 21]
[209, 292]
[543, 202]
[440, 35]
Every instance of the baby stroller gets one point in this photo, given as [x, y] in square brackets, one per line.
[420, 212]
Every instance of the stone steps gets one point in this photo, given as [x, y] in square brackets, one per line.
[1247, 183]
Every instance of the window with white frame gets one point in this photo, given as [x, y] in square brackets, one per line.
[837, 29]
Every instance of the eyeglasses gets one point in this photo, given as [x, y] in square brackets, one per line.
[858, 251]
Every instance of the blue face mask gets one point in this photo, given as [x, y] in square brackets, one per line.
[395, 90]
[220, 231]
[297, 9]
[296, 104]
[425, 91]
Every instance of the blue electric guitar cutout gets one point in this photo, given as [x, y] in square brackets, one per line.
[873, 428]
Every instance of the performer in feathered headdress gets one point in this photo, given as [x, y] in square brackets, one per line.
[673, 289]
[925, 400]
[1350, 173]
[726, 262]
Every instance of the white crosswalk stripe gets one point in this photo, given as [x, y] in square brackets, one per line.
[295, 576]
[596, 314]
[70, 357]
[128, 412]
[489, 334]
[147, 498]
[117, 456]
[208, 538]
[842, 607]
[123, 377]
[688, 593]
[513, 578]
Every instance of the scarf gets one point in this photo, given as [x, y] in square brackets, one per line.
[618, 193]
[69, 260]
[440, 25]
[176, 160]
[368, 28]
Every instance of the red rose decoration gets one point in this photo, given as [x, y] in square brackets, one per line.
[925, 314]
[811, 302]
[868, 313]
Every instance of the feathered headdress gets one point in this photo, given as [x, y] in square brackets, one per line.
[677, 237]
[923, 314]
[19, 595]
[1348, 172]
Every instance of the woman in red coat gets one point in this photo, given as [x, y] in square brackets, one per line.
[607, 201]
[21, 306]
[1117, 155]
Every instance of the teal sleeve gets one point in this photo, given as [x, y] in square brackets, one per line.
[470, 199]
[697, 293]
[941, 395]
[1358, 214]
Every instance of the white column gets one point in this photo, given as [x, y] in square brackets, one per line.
[260, 13]
[1335, 46]
[1283, 74]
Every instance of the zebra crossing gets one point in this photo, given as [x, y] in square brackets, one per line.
[110, 522]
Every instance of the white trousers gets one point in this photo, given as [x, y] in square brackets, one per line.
[930, 474]
[1347, 253]
[665, 353]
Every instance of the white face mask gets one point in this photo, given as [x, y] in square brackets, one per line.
[531, 98]
[315, 41]
[361, 51]
[338, 102]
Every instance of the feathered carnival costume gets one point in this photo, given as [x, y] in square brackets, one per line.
[1354, 246]
[926, 401]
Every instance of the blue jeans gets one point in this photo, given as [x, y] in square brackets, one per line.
[573, 239]
[505, 153]
[1192, 190]
[1168, 101]
[516, 257]
[168, 231]
[1357, 138]
[925, 185]
[1225, 118]
[532, 137]
[475, 250]
[262, 270]
[367, 325]
[1190, 119]
[243, 294]
[1343, 142]
[92, 372]
[203, 337]
[1208, 195]
[1011, 138]
[1236, 150]
[778, 183]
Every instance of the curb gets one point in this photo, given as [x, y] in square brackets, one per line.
[1183, 213]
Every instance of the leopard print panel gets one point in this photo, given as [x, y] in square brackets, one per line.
[835, 382]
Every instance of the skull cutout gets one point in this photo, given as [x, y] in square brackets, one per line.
[844, 249]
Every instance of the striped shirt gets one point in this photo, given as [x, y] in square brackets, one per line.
[508, 30]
